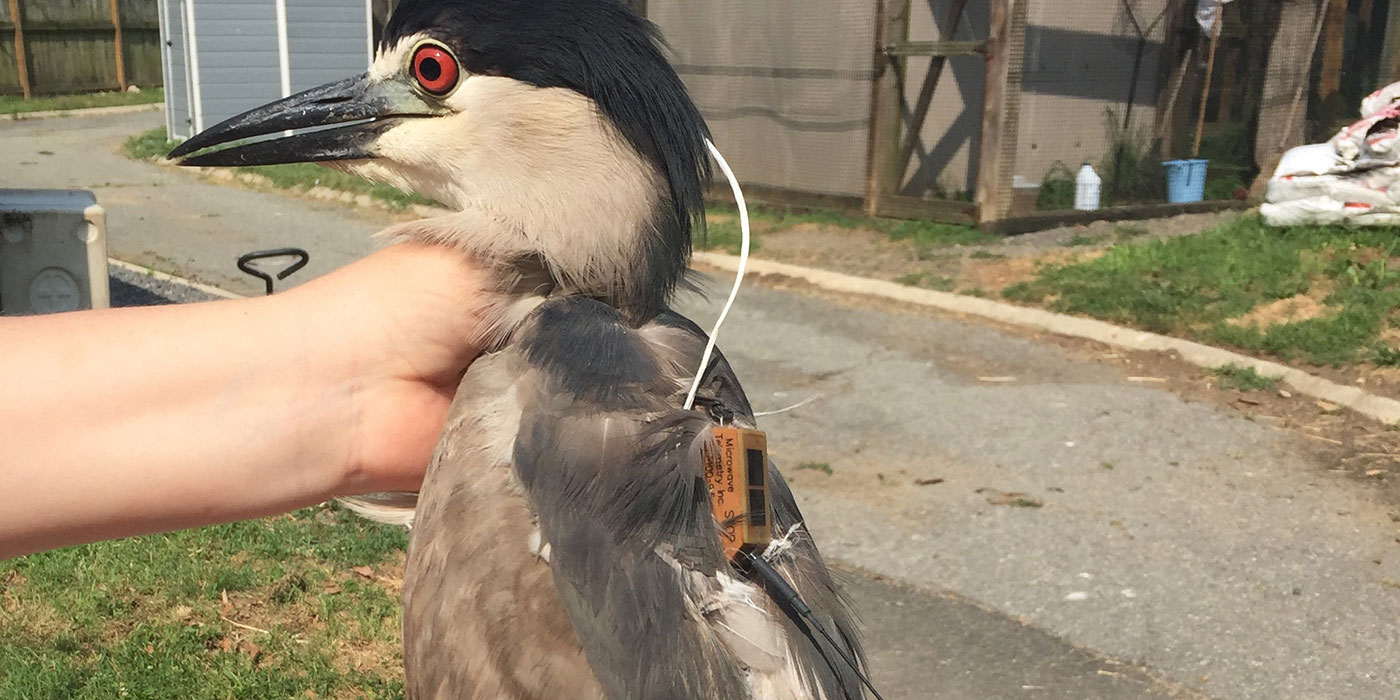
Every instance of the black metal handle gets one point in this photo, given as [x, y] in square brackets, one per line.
[302, 257]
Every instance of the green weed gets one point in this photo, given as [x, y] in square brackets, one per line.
[1083, 240]
[1127, 232]
[1244, 379]
[928, 280]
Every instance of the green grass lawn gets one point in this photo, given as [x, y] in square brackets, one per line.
[14, 104]
[1205, 286]
[154, 144]
[290, 606]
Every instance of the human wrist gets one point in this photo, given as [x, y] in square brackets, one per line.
[394, 332]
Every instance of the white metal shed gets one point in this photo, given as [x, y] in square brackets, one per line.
[223, 57]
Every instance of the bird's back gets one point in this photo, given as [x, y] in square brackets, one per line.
[564, 544]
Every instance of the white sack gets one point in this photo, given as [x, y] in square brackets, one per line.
[1313, 159]
[1298, 212]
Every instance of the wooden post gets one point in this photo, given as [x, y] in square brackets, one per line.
[1166, 110]
[1291, 50]
[117, 33]
[1229, 89]
[1001, 109]
[21, 61]
[1299, 95]
[1330, 79]
[892, 24]
[1390, 51]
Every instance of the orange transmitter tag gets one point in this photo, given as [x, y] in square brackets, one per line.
[737, 474]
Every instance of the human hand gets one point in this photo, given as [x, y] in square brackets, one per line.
[407, 318]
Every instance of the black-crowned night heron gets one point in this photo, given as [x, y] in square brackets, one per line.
[563, 543]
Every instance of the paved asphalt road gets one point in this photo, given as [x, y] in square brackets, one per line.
[1180, 550]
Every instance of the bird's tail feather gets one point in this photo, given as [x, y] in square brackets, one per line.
[395, 508]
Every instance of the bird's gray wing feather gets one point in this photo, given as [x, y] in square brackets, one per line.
[798, 559]
[614, 473]
[802, 565]
[613, 476]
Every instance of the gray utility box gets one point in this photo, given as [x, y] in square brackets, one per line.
[53, 252]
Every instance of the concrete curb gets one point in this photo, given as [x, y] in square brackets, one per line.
[140, 270]
[1377, 407]
[90, 112]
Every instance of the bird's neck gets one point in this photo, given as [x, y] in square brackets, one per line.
[633, 266]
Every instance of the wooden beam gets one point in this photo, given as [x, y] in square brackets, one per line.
[41, 27]
[117, 36]
[1335, 31]
[1001, 109]
[1167, 110]
[1136, 212]
[1225, 100]
[943, 210]
[21, 61]
[892, 24]
[941, 49]
[930, 86]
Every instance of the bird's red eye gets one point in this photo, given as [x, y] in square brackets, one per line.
[435, 69]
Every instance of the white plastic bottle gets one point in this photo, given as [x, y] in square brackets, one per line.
[1086, 189]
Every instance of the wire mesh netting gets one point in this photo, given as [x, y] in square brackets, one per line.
[785, 85]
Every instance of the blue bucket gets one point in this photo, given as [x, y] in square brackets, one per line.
[1186, 180]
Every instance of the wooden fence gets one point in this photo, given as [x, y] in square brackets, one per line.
[67, 46]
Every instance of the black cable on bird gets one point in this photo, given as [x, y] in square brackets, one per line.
[779, 588]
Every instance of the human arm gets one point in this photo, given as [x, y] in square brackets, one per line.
[129, 421]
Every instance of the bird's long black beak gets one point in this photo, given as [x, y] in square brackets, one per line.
[344, 119]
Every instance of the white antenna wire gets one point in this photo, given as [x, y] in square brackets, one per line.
[738, 277]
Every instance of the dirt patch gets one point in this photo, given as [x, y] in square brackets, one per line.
[996, 274]
[1300, 307]
[854, 252]
[1369, 254]
[367, 652]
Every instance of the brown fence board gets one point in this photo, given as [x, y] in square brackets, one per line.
[70, 46]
